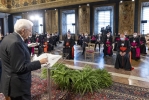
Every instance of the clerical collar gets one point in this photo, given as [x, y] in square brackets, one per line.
[20, 36]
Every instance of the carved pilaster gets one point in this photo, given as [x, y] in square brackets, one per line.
[84, 19]
[51, 19]
[126, 17]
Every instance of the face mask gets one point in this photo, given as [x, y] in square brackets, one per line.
[108, 35]
[47, 36]
[134, 35]
[122, 39]
[68, 37]
[30, 36]
[86, 36]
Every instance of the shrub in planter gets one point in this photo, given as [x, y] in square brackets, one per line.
[80, 81]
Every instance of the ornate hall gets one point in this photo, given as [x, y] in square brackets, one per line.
[101, 48]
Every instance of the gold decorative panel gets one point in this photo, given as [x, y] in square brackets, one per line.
[84, 19]
[51, 19]
[126, 17]
[3, 6]
[27, 5]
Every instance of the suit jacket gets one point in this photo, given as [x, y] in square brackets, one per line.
[16, 66]
[87, 40]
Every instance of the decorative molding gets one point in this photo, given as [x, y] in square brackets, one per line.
[126, 17]
[30, 5]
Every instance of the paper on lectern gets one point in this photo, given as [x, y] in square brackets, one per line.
[52, 59]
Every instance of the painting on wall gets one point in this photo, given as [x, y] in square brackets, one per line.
[126, 17]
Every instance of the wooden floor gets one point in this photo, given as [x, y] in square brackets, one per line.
[137, 77]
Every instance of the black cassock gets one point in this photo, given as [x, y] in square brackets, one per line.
[50, 44]
[142, 45]
[135, 53]
[68, 45]
[117, 38]
[123, 61]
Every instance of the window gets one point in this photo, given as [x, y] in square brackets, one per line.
[103, 19]
[70, 22]
[145, 16]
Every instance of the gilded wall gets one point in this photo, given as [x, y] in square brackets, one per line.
[84, 19]
[51, 20]
[3, 6]
[126, 17]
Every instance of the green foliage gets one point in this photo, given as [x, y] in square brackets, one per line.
[44, 73]
[80, 81]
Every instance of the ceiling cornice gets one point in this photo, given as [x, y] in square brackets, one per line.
[52, 4]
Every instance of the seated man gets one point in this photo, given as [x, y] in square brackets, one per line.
[135, 47]
[98, 41]
[147, 40]
[86, 40]
[80, 39]
[123, 57]
[68, 47]
[108, 45]
[142, 45]
[117, 38]
[93, 38]
[50, 42]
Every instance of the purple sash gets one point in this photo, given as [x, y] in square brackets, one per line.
[137, 49]
[138, 52]
[126, 39]
[141, 42]
[37, 40]
[32, 50]
[117, 39]
[109, 47]
[93, 38]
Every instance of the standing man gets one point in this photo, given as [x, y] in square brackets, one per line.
[16, 62]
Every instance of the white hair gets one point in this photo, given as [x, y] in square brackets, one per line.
[22, 24]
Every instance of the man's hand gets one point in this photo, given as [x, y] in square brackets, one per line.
[121, 53]
[43, 61]
[124, 53]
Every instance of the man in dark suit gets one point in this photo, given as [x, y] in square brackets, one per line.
[16, 62]
[86, 40]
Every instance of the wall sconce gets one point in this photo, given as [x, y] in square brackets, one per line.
[121, 1]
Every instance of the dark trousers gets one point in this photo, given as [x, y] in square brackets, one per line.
[96, 45]
[24, 97]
